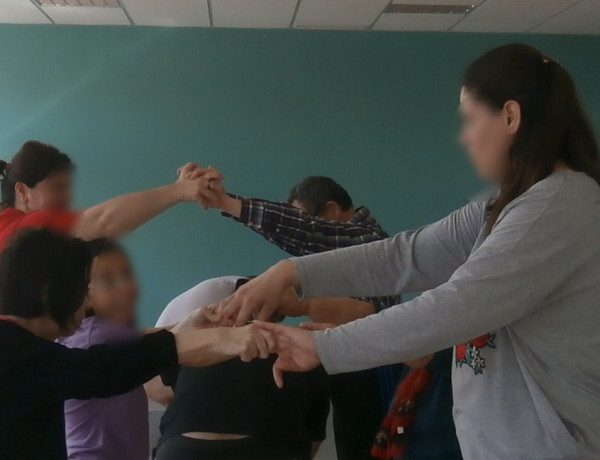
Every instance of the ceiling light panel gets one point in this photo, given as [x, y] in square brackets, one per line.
[417, 22]
[87, 15]
[413, 8]
[97, 3]
[338, 14]
[436, 2]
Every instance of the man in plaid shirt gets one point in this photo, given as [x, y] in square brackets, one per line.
[320, 216]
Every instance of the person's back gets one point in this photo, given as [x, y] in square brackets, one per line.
[242, 414]
[233, 410]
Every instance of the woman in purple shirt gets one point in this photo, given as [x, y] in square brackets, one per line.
[117, 427]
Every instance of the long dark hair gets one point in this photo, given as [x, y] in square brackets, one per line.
[554, 127]
[33, 163]
[43, 272]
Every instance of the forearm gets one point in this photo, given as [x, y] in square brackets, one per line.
[337, 310]
[125, 213]
[205, 347]
[372, 269]
[411, 261]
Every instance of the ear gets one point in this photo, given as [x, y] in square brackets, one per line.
[512, 116]
[332, 211]
[21, 192]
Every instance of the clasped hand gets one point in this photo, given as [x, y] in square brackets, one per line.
[202, 185]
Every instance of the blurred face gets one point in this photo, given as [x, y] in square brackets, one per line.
[54, 192]
[113, 289]
[487, 134]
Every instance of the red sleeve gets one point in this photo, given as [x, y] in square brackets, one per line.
[62, 221]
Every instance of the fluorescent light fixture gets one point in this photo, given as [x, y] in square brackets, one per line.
[405, 8]
[99, 3]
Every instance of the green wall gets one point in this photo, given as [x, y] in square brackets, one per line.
[377, 111]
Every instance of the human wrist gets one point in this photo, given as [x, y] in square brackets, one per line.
[178, 191]
[285, 273]
[231, 205]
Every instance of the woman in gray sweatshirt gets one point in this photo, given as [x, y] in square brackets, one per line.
[512, 283]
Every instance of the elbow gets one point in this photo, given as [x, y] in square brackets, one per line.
[97, 225]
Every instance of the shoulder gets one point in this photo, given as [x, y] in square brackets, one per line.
[562, 193]
[102, 331]
[9, 214]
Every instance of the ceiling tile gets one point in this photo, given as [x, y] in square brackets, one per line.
[186, 13]
[435, 22]
[21, 12]
[583, 18]
[511, 15]
[338, 14]
[87, 15]
[256, 13]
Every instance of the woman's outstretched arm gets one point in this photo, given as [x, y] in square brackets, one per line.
[125, 213]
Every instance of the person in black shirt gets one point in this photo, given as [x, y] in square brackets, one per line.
[44, 279]
[234, 411]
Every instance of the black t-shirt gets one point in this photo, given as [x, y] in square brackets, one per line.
[38, 375]
[241, 398]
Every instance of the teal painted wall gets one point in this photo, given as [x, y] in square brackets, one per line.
[377, 111]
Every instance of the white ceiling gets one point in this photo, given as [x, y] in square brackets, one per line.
[541, 16]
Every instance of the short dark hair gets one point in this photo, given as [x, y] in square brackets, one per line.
[33, 163]
[314, 192]
[43, 272]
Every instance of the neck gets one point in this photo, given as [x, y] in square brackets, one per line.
[42, 327]
[21, 206]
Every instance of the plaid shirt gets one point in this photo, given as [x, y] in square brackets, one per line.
[300, 234]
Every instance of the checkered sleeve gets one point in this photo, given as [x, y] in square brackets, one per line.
[299, 233]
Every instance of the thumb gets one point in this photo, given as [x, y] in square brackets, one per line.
[278, 375]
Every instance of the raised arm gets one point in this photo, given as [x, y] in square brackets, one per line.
[411, 261]
[293, 230]
[125, 213]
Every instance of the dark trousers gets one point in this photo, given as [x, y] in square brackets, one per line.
[357, 413]
[184, 448]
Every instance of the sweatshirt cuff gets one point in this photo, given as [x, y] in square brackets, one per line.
[161, 349]
[320, 338]
[303, 290]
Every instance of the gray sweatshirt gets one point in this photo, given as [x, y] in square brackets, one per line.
[528, 386]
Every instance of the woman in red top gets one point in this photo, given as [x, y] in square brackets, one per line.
[36, 192]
